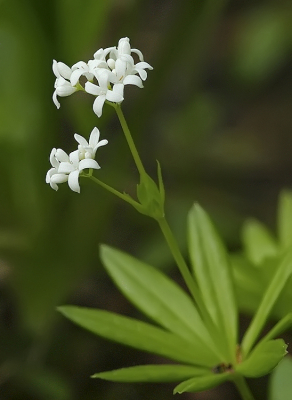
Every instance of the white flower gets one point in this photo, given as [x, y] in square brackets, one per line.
[53, 176]
[88, 149]
[73, 167]
[63, 86]
[103, 91]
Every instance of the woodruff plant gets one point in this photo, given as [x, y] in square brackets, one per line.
[199, 329]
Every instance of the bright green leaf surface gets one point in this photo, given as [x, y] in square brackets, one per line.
[284, 219]
[151, 373]
[281, 382]
[271, 295]
[263, 358]
[258, 242]
[158, 297]
[212, 270]
[137, 334]
[201, 383]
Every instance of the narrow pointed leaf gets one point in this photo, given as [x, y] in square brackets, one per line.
[211, 268]
[284, 219]
[271, 295]
[264, 357]
[284, 324]
[258, 242]
[201, 383]
[160, 182]
[158, 297]
[151, 373]
[134, 333]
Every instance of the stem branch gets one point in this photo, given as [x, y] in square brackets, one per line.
[242, 387]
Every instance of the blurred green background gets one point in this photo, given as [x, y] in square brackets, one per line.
[216, 113]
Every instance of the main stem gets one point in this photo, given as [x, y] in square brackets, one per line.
[129, 139]
[242, 387]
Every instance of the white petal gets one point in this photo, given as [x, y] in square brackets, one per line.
[73, 181]
[98, 104]
[57, 104]
[103, 79]
[91, 88]
[64, 70]
[99, 144]
[80, 139]
[54, 186]
[66, 168]
[75, 76]
[55, 69]
[80, 65]
[61, 155]
[143, 65]
[65, 90]
[88, 163]
[94, 137]
[74, 158]
[50, 172]
[59, 178]
[138, 52]
[133, 80]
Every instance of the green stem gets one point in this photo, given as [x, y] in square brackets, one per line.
[129, 139]
[180, 261]
[242, 387]
[122, 196]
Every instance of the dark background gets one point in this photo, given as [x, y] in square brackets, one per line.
[216, 113]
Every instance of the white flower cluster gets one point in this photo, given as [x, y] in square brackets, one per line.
[112, 68]
[66, 168]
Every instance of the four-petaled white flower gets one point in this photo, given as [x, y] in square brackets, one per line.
[88, 149]
[67, 168]
[104, 92]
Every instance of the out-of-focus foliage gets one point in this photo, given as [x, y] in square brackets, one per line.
[215, 112]
[254, 269]
[281, 385]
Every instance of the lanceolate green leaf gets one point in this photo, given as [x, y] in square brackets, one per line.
[258, 242]
[284, 219]
[202, 383]
[284, 324]
[137, 334]
[158, 297]
[212, 270]
[264, 357]
[152, 373]
[271, 295]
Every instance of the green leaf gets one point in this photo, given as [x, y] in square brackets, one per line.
[158, 297]
[160, 182]
[284, 324]
[281, 382]
[264, 357]
[151, 373]
[284, 219]
[211, 268]
[201, 383]
[271, 295]
[134, 333]
[150, 197]
[258, 242]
